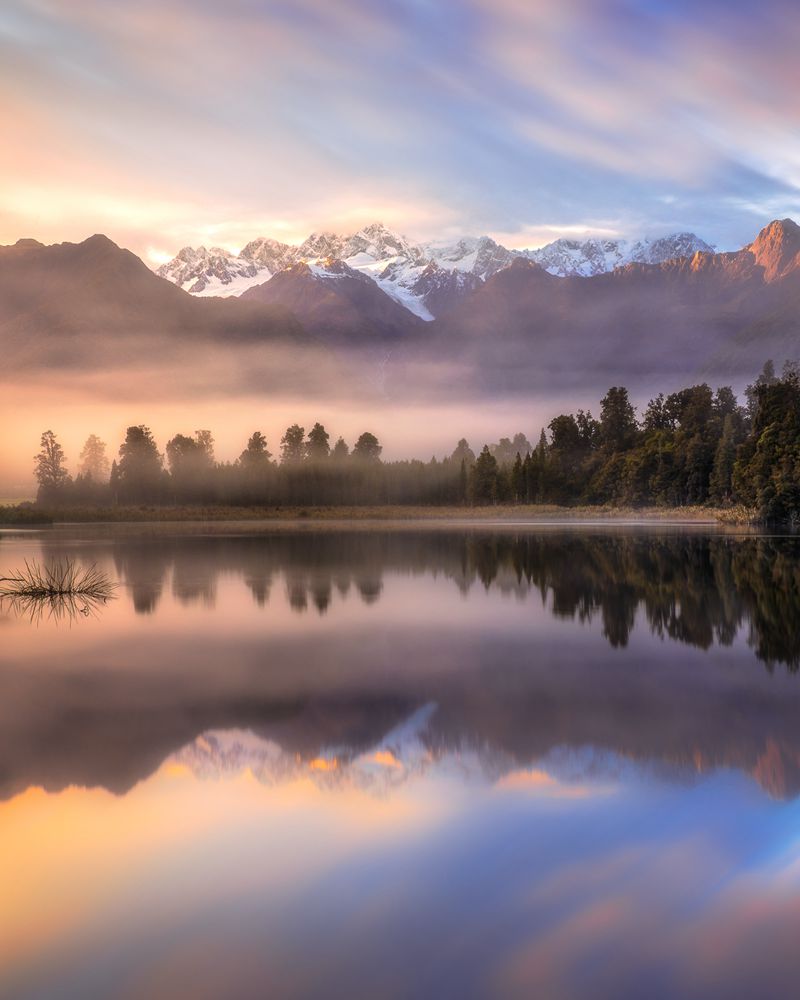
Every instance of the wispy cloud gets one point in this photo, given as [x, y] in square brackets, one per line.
[164, 122]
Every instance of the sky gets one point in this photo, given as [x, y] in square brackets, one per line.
[165, 123]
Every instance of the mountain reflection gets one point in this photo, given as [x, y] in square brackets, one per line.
[692, 588]
[636, 647]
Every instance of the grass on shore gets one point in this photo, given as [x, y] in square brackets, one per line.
[510, 512]
[23, 514]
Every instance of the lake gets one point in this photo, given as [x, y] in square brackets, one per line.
[428, 761]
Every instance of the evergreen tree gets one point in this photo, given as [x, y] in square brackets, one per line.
[656, 417]
[256, 455]
[617, 421]
[765, 379]
[463, 479]
[463, 453]
[93, 462]
[140, 467]
[317, 447]
[483, 486]
[191, 462]
[367, 448]
[255, 469]
[182, 453]
[539, 470]
[588, 430]
[113, 483]
[724, 458]
[527, 477]
[506, 450]
[521, 444]
[518, 480]
[340, 449]
[767, 472]
[205, 443]
[50, 470]
[292, 444]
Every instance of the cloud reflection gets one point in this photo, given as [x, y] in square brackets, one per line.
[298, 885]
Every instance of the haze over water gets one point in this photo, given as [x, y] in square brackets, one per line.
[543, 760]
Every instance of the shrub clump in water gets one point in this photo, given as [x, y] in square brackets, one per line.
[63, 588]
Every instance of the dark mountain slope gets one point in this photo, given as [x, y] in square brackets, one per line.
[74, 302]
[713, 315]
[337, 304]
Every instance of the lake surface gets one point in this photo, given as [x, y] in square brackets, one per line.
[412, 761]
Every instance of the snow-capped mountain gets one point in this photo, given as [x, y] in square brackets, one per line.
[567, 258]
[391, 261]
[399, 755]
[428, 279]
[439, 288]
[480, 255]
[270, 255]
[404, 753]
[337, 303]
[211, 272]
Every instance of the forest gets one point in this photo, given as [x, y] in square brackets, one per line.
[697, 446]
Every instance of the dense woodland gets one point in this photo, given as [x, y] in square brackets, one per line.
[695, 446]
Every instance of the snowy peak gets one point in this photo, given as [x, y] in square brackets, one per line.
[480, 255]
[202, 271]
[381, 244]
[319, 245]
[428, 279]
[268, 253]
[333, 270]
[585, 258]
[674, 247]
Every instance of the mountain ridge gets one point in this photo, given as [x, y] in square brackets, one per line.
[521, 329]
[426, 278]
[719, 314]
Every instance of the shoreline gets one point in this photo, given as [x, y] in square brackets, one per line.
[512, 514]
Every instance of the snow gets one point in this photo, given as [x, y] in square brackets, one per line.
[406, 298]
[589, 257]
[396, 265]
[234, 287]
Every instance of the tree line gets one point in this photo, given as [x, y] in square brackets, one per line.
[694, 446]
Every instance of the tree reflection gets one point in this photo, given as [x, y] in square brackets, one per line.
[508, 693]
[697, 589]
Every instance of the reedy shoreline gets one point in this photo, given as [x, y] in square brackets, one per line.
[545, 513]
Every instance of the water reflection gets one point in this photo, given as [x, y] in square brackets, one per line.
[211, 880]
[61, 609]
[693, 588]
[544, 763]
[59, 591]
[642, 645]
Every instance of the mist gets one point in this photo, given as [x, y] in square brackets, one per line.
[405, 430]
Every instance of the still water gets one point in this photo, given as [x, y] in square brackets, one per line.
[394, 762]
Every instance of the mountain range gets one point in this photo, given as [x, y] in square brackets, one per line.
[500, 327]
[426, 278]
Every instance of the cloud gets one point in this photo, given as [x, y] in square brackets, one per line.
[176, 122]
